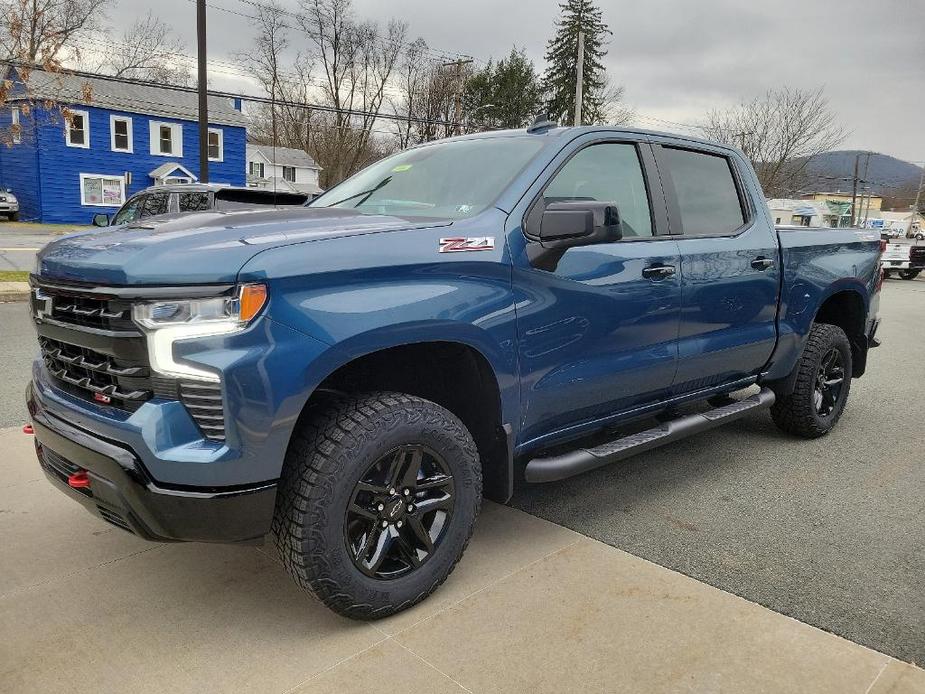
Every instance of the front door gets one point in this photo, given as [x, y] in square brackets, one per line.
[598, 332]
[730, 274]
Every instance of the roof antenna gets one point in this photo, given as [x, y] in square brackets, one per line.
[542, 123]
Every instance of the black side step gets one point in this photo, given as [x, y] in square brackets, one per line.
[583, 459]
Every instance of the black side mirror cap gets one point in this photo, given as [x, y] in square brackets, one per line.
[565, 225]
[101, 219]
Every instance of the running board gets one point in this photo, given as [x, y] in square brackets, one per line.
[583, 459]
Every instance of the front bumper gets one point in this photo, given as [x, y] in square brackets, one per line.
[122, 493]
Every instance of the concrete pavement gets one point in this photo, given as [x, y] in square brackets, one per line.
[829, 531]
[85, 607]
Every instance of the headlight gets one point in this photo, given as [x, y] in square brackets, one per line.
[165, 322]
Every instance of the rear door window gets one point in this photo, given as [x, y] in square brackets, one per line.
[194, 202]
[708, 198]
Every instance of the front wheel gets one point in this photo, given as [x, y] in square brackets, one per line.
[823, 380]
[377, 502]
[909, 274]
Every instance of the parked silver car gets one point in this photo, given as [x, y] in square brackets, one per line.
[184, 198]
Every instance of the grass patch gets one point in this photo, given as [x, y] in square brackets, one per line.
[14, 276]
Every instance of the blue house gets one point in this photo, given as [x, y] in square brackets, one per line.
[82, 145]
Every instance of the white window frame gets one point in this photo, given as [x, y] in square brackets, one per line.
[221, 144]
[295, 173]
[112, 133]
[102, 177]
[176, 138]
[252, 164]
[15, 126]
[67, 130]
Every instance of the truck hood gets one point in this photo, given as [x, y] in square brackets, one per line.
[200, 248]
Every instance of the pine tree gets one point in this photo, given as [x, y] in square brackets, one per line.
[561, 57]
[505, 94]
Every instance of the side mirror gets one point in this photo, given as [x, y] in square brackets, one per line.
[101, 219]
[565, 225]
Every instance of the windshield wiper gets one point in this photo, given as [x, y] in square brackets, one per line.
[366, 193]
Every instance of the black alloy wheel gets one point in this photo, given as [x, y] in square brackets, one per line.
[830, 380]
[399, 512]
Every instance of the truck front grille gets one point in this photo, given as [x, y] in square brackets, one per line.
[93, 350]
[95, 376]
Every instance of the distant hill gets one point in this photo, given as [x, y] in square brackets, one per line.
[889, 176]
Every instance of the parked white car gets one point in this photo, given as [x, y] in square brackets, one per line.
[9, 205]
[903, 258]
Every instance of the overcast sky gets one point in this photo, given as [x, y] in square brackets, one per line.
[676, 58]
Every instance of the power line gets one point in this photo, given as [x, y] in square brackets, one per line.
[323, 108]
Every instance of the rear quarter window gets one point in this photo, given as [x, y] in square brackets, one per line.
[708, 197]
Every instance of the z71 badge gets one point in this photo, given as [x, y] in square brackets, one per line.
[473, 243]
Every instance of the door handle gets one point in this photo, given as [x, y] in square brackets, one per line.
[658, 272]
[762, 263]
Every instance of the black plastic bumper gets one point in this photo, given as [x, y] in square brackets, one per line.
[121, 493]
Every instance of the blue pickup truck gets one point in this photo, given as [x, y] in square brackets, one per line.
[352, 377]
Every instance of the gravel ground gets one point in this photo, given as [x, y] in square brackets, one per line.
[831, 531]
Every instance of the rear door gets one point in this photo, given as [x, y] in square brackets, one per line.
[730, 274]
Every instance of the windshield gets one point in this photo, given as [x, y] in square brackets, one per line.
[450, 180]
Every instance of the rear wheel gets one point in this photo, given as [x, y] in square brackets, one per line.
[887, 274]
[823, 380]
[377, 502]
[909, 274]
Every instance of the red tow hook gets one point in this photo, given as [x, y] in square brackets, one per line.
[79, 480]
[27, 429]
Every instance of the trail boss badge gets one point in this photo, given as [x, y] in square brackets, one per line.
[458, 244]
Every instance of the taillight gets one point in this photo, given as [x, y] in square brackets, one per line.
[879, 281]
[883, 245]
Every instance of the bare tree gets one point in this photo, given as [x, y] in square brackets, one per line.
[46, 31]
[149, 52]
[357, 60]
[780, 132]
[424, 91]
[283, 123]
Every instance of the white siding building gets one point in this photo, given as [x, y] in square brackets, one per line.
[281, 168]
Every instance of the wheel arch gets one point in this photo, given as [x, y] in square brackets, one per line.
[847, 309]
[453, 373]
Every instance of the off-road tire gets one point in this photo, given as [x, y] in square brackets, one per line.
[328, 454]
[909, 274]
[795, 413]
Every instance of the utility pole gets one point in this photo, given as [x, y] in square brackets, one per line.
[918, 197]
[203, 95]
[854, 191]
[579, 76]
[457, 116]
[866, 168]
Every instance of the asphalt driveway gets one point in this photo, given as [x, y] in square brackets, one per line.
[831, 531]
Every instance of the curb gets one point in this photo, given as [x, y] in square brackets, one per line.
[9, 297]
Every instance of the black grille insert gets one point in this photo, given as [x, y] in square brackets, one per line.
[204, 403]
[59, 466]
[116, 519]
[95, 376]
[88, 311]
